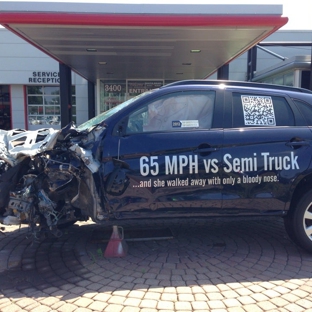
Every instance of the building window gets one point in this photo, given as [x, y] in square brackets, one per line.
[289, 79]
[114, 92]
[286, 79]
[44, 110]
[5, 110]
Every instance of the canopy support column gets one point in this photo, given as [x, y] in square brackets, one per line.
[65, 95]
[91, 100]
[223, 72]
[251, 63]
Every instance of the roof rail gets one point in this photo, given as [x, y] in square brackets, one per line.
[236, 83]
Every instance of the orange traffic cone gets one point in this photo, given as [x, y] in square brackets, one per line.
[117, 247]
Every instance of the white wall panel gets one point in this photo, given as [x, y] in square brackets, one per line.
[17, 104]
[81, 98]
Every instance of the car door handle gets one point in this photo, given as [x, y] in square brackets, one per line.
[297, 143]
[206, 150]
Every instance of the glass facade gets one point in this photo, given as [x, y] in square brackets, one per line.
[285, 79]
[114, 92]
[43, 105]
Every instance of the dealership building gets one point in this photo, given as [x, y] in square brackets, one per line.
[62, 62]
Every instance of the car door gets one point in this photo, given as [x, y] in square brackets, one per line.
[170, 155]
[265, 151]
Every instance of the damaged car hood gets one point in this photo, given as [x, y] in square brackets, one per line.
[17, 144]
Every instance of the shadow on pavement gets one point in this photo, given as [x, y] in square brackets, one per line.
[202, 253]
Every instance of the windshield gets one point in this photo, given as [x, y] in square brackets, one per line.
[103, 116]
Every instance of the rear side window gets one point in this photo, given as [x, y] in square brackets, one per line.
[174, 112]
[306, 111]
[252, 110]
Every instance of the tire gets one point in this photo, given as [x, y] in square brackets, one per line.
[298, 222]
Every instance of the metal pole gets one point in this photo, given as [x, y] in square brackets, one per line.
[272, 53]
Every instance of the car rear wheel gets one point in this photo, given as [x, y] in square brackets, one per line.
[298, 223]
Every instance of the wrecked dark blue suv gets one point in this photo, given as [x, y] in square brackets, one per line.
[188, 149]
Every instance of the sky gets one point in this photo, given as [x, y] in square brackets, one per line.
[298, 11]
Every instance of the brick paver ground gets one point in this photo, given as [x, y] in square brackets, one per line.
[210, 265]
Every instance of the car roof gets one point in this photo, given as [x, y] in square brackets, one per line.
[233, 83]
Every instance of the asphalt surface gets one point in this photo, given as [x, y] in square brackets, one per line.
[207, 265]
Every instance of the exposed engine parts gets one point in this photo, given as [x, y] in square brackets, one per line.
[42, 174]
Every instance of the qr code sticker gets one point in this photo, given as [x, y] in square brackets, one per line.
[258, 110]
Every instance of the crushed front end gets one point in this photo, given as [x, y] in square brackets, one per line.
[47, 178]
